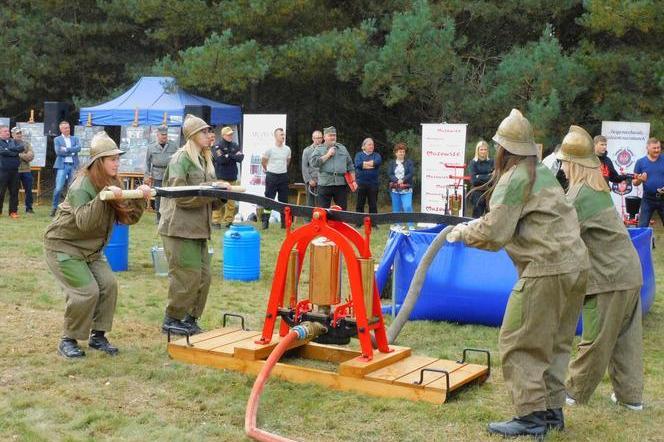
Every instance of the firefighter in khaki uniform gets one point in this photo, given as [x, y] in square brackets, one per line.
[73, 245]
[612, 329]
[185, 228]
[532, 219]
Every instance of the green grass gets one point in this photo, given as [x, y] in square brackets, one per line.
[143, 395]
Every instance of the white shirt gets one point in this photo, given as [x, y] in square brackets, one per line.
[277, 158]
[68, 159]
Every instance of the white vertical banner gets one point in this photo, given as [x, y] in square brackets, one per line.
[443, 146]
[626, 143]
[257, 136]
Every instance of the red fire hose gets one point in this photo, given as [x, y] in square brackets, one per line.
[306, 330]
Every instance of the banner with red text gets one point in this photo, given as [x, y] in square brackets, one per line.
[443, 150]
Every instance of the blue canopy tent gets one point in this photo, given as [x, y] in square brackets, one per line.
[152, 96]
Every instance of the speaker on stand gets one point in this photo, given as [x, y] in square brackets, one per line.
[54, 113]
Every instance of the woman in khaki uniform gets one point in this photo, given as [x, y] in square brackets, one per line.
[530, 217]
[612, 329]
[185, 228]
[74, 242]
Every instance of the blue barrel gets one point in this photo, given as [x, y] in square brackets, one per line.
[472, 286]
[242, 253]
[117, 249]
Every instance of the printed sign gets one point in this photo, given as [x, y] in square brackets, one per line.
[33, 133]
[443, 150]
[626, 143]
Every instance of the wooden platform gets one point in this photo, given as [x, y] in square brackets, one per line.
[387, 375]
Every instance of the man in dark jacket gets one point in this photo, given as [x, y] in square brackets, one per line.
[9, 162]
[227, 155]
[608, 171]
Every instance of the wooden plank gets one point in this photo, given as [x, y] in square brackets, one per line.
[327, 353]
[401, 368]
[205, 336]
[300, 374]
[250, 350]
[228, 338]
[429, 377]
[460, 377]
[358, 368]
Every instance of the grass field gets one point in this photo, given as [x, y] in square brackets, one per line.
[143, 395]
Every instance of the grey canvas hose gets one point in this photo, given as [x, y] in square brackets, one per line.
[416, 285]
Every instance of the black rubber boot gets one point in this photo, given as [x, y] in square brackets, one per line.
[555, 419]
[191, 323]
[265, 220]
[69, 349]
[533, 424]
[99, 342]
[179, 327]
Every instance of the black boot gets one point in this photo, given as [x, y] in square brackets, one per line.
[176, 326]
[191, 323]
[52, 214]
[555, 419]
[99, 342]
[69, 348]
[533, 424]
[265, 220]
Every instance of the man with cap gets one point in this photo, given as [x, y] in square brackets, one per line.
[185, 228]
[74, 243]
[612, 331]
[66, 148]
[275, 161]
[157, 157]
[9, 163]
[309, 172]
[227, 155]
[24, 171]
[531, 218]
[334, 165]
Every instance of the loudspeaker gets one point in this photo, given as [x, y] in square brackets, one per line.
[54, 113]
[202, 111]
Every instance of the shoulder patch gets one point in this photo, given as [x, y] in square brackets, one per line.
[510, 188]
[590, 202]
[82, 192]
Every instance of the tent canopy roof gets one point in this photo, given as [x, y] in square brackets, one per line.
[153, 96]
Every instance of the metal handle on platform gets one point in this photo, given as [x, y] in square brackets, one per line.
[232, 315]
[435, 370]
[477, 350]
[172, 328]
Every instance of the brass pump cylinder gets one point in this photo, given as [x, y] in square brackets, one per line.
[367, 269]
[324, 276]
[290, 291]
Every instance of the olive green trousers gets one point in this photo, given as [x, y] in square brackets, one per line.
[612, 338]
[90, 290]
[536, 339]
[188, 275]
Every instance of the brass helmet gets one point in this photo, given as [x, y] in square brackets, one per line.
[577, 147]
[516, 135]
[192, 125]
[102, 146]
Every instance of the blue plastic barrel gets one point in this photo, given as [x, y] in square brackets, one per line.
[472, 286]
[117, 249]
[242, 253]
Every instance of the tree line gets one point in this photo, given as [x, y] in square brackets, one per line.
[372, 68]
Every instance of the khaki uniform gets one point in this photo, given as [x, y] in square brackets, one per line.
[156, 161]
[612, 329]
[541, 235]
[26, 156]
[185, 227]
[331, 172]
[73, 245]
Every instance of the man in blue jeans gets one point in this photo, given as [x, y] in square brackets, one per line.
[66, 148]
[649, 170]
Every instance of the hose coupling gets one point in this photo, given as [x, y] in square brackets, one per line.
[309, 330]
